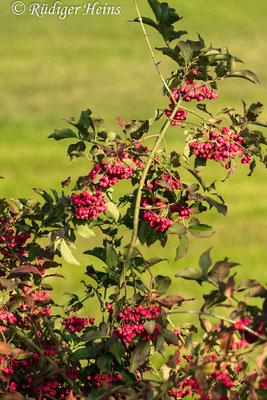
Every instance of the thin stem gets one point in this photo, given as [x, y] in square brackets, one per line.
[151, 52]
[139, 193]
[218, 317]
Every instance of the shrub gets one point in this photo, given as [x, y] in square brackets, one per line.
[49, 351]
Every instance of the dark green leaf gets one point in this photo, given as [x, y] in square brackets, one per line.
[62, 133]
[191, 274]
[139, 355]
[111, 257]
[182, 248]
[147, 21]
[117, 349]
[84, 353]
[186, 51]
[162, 284]
[205, 262]
[220, 207]
[94, 335]
[104, 362]
[201, 230]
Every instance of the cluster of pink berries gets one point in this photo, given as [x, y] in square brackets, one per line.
[139, 146]
[161, 224]
[129, 332]
[136, 314]
[99, 378]
[41, 296]
[88, 206]
[179, 116]
[173, 182]
[133, 320]
[182, 209]
[187, 387]
[221, 147]
[239, 345]
[74, 324]
[192, 91]
[147, 202]
[8, 317]
[49, 387]
[239, 325]
[110, 174]
[11, 240]
[224, 378]
[8, 371]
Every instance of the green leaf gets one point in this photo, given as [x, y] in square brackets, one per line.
[155, 260]
[175, 159]
[111, 257]
[201, 230]
[104, 362]
[98, 123]
[205, 262]
[117, 349]
[220, 207]
[62, 133]
[162, 284]
[182, 248]
[150, 326]
[137, 128]
[170, 337]
[67, 254]
[77, 148]
[113, 211]
[84, 231]
[177, 229]
[139, 355]
[156, 8]
[93, 335]
[45, 195]
[85, 120]
[84, 353]
[147, 21]
[191, 274]
[245, 74]
[186, 51]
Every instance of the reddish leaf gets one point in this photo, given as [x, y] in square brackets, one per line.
[5, 348]
[24, 270]
[121, 122]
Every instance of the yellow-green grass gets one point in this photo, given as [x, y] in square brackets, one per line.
[51, 69]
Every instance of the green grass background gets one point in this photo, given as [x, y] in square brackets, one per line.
[50, 69]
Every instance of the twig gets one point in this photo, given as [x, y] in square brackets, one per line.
[218, 317]
[152, 53]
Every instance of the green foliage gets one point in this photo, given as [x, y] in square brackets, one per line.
[117, 351]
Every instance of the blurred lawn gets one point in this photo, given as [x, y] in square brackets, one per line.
[51, 69]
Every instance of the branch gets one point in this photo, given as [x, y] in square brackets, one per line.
[152, 53]
[218, 317]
